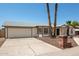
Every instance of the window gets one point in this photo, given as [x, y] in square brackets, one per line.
[45, 30]
[40, 31]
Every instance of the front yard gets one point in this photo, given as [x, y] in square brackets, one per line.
[2, 40]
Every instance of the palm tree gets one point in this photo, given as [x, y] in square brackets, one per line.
[72, 23]
[68, 22]
[49, 21]
[55, 19]
[75, 23]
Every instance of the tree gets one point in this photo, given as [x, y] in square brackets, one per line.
[68, 23]
[49, 22]
[55, 19]
[72, 23]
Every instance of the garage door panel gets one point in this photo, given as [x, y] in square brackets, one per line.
[19, 32]
[28, 32]
[34, 32]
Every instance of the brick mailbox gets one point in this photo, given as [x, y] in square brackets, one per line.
[63, 38]
[62, 41]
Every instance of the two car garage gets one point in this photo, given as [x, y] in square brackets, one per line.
[20, 32]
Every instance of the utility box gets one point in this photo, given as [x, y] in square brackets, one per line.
[40, 35]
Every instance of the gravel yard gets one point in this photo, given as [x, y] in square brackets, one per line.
[2, 40]
[54, 41]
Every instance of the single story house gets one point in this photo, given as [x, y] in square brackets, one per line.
[27, 31]
[35, 31]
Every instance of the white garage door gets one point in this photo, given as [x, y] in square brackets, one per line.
[18, 32]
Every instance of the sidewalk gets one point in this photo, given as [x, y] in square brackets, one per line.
[67, 52]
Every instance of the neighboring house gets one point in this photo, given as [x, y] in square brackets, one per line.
[73, 31]
[76, 30]
[65, 30]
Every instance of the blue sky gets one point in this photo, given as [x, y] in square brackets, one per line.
[37, 13]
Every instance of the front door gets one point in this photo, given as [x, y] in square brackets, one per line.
[58, 31]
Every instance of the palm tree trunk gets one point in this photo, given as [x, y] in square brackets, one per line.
[55, 19]
[49, 21]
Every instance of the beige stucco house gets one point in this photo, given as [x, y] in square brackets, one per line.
[27, 31]
[12, 31]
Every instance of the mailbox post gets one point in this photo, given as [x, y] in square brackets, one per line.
[63, 38]
[62, 41]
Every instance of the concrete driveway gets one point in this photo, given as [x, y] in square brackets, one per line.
[26, 46]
